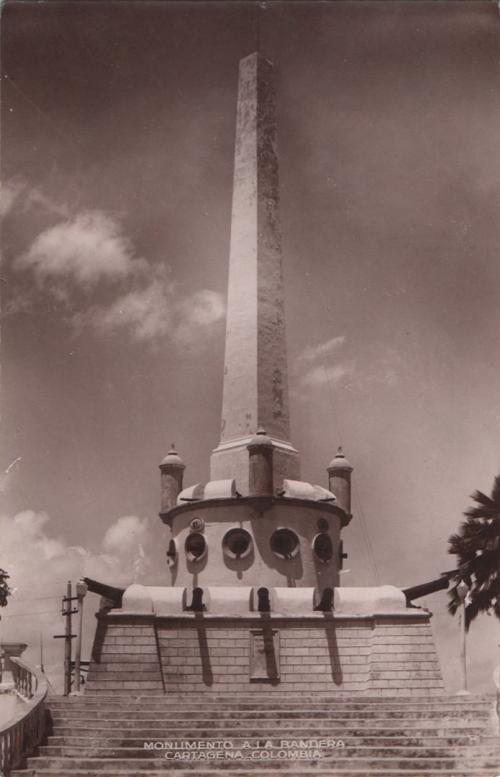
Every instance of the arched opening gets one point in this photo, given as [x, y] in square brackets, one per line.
[263, 602]
[172, 553]
[325, 601]
[323, 547]
[195, 546]
[237, 543]
[197, 601]
[284, 543]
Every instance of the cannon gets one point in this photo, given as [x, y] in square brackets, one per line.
[108, 591]
[441, 583]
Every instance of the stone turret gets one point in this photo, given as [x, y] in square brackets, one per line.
[339, 480]
[172, 472]
[260, 451]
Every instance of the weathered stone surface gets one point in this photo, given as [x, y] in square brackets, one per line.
[298, 736]
[255, 392]
[210, 654]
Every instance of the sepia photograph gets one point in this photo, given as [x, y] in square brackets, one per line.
[250, 388]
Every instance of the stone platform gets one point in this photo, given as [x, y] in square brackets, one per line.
[203, 654]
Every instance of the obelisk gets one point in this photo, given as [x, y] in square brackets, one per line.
[255, 392]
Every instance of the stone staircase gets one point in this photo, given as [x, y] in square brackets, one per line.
[317, 735]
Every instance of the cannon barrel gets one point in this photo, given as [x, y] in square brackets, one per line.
[417, 591]
[108, 591]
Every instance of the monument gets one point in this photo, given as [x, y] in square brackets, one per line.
[252, 659]
[252, 598]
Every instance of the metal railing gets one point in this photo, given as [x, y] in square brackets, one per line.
[20, 736]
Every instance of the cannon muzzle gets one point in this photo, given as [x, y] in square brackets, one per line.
[108, 591]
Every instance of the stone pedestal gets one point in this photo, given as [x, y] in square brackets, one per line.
[386, 652]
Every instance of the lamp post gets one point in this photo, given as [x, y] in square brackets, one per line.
[81, 590]
[462, 591]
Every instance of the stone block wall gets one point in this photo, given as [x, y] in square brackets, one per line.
[125, 657]
[376, 655]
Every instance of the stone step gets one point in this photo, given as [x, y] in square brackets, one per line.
[354, 751]
[337, 762]
[276, 707]
[348, 772]
[291, 724]
[270, 699]
[366, 740]
[155, 733]
[247, 716]
[275, 697]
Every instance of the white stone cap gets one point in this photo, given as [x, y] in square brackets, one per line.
[220, 489]
[227, 600]
[137, 598]
[299, 489]
[214, 489]
[167, 601]
[365, 601]
[190, 494]
[292, 601]
[237, 600]
[160, 600]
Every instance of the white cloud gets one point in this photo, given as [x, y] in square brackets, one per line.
[319, 365]
[18, 194]
[333, 375]
[91, 248]
[322, 350]
[125, 535]
[9, 193]
[84, 250]
[40, 565]
[197, 312]
[157, 310]
[146, 313]
[26, 546]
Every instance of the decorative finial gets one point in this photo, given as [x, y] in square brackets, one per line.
[173, 457]
[260, 439]
[340, 462]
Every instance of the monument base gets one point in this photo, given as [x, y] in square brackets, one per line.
[387, 654]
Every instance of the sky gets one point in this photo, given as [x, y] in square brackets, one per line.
[118, 126]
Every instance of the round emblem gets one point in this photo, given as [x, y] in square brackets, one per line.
[197, 524]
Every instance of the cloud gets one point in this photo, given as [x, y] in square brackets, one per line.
[17, 194]
[9, 193]
[91, 248]
[40, 565]
[197, 312]
[157, 310]
[322, 365]
[125, 535]
[86, 249]
[146, 313]
[36, 560]
[314, 352]
[319, 365]
[322, 375]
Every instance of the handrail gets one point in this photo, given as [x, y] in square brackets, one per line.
[23, 733]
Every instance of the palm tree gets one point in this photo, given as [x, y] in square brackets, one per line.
[4, 588]
[477, 547]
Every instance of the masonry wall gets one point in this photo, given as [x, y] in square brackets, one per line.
[379, 655]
